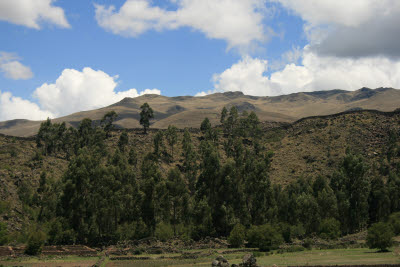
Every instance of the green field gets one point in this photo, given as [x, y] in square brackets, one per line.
[310, 257]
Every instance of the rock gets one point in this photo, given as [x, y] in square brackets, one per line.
[249, 261]
[220, 261]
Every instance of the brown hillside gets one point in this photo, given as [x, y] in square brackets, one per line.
[189, 111]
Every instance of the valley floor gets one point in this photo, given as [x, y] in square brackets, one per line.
[353, 256]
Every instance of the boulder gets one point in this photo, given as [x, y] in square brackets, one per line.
[249, 261]
[220, 261]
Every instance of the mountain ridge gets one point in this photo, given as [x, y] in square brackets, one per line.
[189, 111]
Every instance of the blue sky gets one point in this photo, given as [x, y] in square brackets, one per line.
[185, 47]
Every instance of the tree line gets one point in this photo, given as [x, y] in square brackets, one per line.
[222, 188]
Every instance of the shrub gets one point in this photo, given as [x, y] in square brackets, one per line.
[307, 243]
[329, 229]
[394, 221]
[35, 243]
[237, 235]
[164, 231]
[297, 231]
[265, 237]
[3, 234]
[258, 254]
[380, 236]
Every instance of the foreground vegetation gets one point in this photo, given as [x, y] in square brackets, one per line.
[217, 184]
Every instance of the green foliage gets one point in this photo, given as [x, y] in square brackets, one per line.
[107, 122]
[329, 228]
[394, 221]
[307, 243]
[4, 207]
[237, 236]
[164, 231]
[205, 126]
[123, 141]
[172, 138]
[3, 234]
[145, 116]
[352, 186]
[265, 237]
[380, 236]
[224, 114]
[35, 242]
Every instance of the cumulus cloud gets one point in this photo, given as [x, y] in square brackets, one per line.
[12, 107]
[239, 22]
[315, 73]
[31, 13]
[78, 90]
[357, 28]
[73, 91]
[12, 68]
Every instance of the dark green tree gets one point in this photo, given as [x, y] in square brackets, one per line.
[123, 141]
[224, 114]
[172, 138]
[380, 236]
[237, 236]
[352, 186]
[145, 116]
[177, 195]
[205, 126]
[265, 237]
[107, 122]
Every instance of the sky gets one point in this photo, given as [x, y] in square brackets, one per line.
[58, 57]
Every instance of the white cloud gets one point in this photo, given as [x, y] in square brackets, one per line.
[239, 22]
[77, 90]
[315, 73]
[12, 107]
[12, 68]
[31, 13]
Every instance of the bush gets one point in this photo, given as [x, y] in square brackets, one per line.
[164, 231]
[35, 243]
[307, 243]
[237, 235]
[3, 234]
[329, 229]
[297, 231]
[257, 254]
[380, 236]
[394, 221]
[264, 237]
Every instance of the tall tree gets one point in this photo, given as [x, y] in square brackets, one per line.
[123, 141]
[177, 194]
[145, 116]
[107, 122]
[172, 138]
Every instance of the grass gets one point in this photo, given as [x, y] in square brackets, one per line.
[332, 257]
[357, 256]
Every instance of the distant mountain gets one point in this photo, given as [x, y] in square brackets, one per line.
[189, 111]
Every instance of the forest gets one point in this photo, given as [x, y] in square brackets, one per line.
[220, 189]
